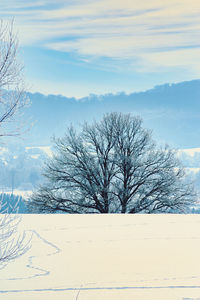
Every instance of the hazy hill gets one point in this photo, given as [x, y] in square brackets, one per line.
[171, 110]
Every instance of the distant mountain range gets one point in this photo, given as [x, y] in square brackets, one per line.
[172, 111]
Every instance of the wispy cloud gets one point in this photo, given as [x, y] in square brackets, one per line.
[156, 34]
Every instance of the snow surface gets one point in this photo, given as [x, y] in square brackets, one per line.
[45, 149]
[189, 151]
[93, 257]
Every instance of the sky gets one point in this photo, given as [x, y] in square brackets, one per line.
[81, 47]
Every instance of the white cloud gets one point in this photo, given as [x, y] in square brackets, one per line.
[156, 34]
[187, 59]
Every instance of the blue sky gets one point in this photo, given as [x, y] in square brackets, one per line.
[82, 47]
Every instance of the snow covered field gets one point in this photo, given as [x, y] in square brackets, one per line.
[93, 257]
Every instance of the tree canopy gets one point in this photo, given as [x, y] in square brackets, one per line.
[112, 166]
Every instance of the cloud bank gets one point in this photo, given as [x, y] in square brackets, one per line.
[151, 35]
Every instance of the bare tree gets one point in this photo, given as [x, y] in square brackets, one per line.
[112, 167]
[12, 244]
[149, 179]
[12, 93]
[12, 99]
